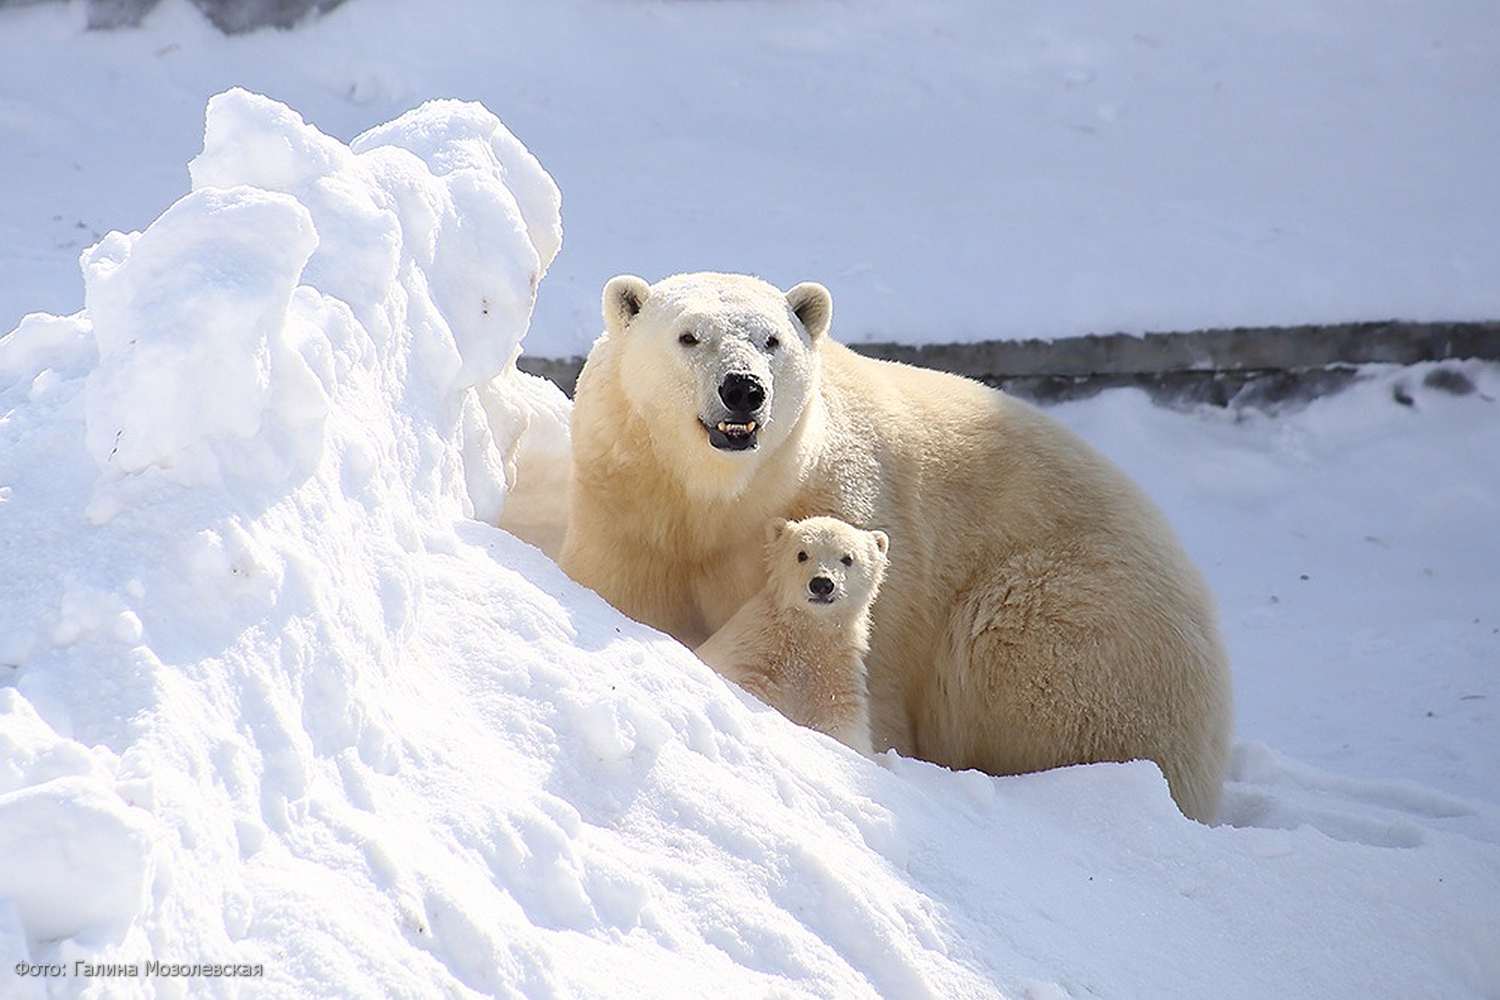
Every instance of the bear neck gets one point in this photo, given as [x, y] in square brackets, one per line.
[673, 515]
[756, 487]
[846, 630]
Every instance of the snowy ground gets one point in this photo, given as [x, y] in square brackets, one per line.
[1353, 551]
[271, 694]
[1161, 164]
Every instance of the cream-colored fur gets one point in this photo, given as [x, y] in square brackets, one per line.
[1037, 610]
[528, 419]
[801, 652]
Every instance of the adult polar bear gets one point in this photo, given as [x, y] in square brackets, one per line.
[1037, 610]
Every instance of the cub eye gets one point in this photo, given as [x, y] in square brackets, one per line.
[847, 560]
[772, 343]
[802, 557]
[688, 340]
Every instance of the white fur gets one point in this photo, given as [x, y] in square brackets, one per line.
[803, 658]
[1037, 611]
[734, 320]
[528, 418]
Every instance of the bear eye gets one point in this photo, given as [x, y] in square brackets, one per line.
[847, 560]
[772, 343]
[688, 340]
[802, 557]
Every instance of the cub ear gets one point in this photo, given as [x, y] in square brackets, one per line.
[811, 303]
[624, 295]
[882, 541]
[775, 528]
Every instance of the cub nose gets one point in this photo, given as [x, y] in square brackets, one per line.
[820, 585]
[742, 393]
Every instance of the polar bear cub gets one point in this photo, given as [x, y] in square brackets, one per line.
[799, 643]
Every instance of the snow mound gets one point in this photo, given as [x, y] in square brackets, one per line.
[219, 261]
[275, 693]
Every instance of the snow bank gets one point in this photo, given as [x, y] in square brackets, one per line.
[274, 694]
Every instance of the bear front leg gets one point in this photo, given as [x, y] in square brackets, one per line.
[638, 588]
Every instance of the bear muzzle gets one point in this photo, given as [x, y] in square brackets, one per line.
[821, 588]
[743, 398]
[730, 435]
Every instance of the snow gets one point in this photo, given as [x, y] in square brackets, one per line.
[150, 300]
[1163, 164]
[1351, 546]
[273, 692]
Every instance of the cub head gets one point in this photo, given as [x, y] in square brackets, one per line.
[720, 366]
[825, 565]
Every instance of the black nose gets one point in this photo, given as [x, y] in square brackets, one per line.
[820, 585]
[742, 393]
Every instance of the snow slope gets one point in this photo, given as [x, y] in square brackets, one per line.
[952, 170]
[271, 693]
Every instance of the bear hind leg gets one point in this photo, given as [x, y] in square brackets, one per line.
[1053, 660]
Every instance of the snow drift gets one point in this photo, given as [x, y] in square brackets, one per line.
[275, 694]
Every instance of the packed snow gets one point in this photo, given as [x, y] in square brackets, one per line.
[951, 170]
[277, 698]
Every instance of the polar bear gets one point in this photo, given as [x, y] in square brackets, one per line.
[1038, 610]
[799, 643]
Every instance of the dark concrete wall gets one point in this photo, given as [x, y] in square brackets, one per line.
[1237, 349]
[1260, 367]
[229, 16]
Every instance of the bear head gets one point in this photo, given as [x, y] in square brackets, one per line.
[825, 565]
[721, 366]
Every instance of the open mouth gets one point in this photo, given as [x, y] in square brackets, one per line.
[729, 435]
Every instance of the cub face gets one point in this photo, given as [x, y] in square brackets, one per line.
[721, 366]
[825, 566]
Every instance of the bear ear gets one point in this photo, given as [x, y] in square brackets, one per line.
[882, 541]
[775, 528]
[811, 303]
[624, 295]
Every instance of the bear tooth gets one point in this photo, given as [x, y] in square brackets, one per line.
[723, 426]
[750, 426]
